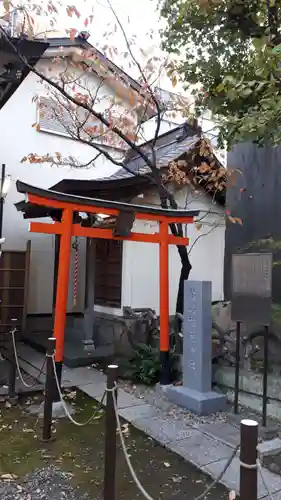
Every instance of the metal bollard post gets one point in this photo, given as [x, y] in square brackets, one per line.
[49, 391]
[265, 373]
[248, 460]
[110, 437]
[237, 366]
[12, 367]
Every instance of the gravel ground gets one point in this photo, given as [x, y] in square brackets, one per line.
[45, 484]
[32, 470]
[155, 396]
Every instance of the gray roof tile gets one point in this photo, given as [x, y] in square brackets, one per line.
[164, 155]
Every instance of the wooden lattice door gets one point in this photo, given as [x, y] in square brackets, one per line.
[108, 273]
[14, 273]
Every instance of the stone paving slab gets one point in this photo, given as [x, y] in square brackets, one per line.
[231, 477]
[126, 400]
[275, 496]
[270, 448]
[200, 449]
[222, 431]
[93, 390]
[163, 430]
[137, 412]
[83, 376]
[96, 390]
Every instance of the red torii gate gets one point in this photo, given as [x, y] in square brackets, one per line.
[69, 205]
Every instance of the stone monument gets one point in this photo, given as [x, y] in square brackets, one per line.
[196, 392]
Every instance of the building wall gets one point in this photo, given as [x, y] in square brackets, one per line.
[141, 260]
[18, 139]
[148, 129]
[254, 196]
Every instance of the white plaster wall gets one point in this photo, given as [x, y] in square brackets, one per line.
[148, 128]
[18, 138]
[141, 260]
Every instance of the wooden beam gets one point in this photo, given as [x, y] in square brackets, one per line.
[61, 205]
[96, 232]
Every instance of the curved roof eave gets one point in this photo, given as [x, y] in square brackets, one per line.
[24, 188]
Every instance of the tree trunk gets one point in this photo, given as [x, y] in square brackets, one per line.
[184, 275]
[177, 230]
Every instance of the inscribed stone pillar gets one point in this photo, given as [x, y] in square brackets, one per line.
[196, 394]
[197, 344]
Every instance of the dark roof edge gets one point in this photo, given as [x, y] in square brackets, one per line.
[32, 52]
[24, 188]
[172, 131]
[100, 182]
[80, 42]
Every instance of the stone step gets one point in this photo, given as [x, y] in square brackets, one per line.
[79, 355]
[75, 353]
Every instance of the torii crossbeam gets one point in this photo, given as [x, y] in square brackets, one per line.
[71, 205]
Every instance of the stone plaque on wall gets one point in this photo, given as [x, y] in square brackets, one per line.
[251, 280]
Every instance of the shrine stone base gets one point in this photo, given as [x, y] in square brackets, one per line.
[195, 401]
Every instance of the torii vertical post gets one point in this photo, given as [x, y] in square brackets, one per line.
[62, 287]
[164, 303]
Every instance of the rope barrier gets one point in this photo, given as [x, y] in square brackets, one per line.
[29, 386]
[122, 439]
[249, 466]
[132, 471]
[64, 405]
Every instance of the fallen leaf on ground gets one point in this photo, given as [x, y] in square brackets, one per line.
[177, 479]
[8, 477]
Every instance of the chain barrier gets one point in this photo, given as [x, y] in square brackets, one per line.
[29, 386]
[131, 468]
[64, 405]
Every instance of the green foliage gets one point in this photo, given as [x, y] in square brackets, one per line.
[276, 314]
[144, 365]
[232, 49]
[265, 245]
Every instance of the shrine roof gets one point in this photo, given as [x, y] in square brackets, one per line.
[130, 180]
[81, 201]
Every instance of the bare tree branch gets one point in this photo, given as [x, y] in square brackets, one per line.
[201, 236]
[82, 104]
